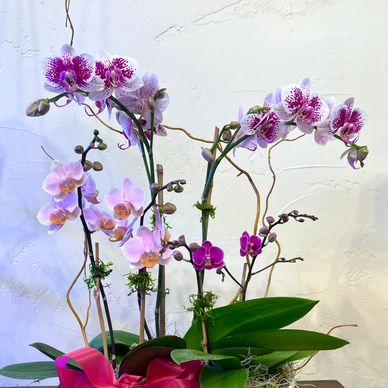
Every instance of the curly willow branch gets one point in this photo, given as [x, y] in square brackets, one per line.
[273, 174]
[93, 113]
[188, 134]
[68, 20]
[315, 353]
[81, 325]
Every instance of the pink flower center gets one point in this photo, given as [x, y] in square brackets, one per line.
[306, 113]
[208, 262]
[122, 211]
[114, 77]
[106, 223]
[149, 259]
[67, 186]
[119, 233]
[69, 79]
[58, 217]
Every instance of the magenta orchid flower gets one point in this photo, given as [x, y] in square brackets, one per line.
[347, 121]
[70, 72]
[126, 200]
[137, 102]
[298, 103]
[208, 256]
[250, 245]
[129, 130]
[143, 250]
[89, 190]
[56, 213]
[64, 179]
[118, 74]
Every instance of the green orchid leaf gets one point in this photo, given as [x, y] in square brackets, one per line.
[273, 359]
[47, 350]
[214, 378]
[53, 353]
[240, 351]
[170, 341]
[277, 359]
[121, 338]
[30, 370]
[256, 314]
[183, 355]
[282, 340]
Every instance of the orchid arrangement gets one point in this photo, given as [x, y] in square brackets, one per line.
[241, 344]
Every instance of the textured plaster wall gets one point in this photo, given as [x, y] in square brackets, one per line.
[212, 56]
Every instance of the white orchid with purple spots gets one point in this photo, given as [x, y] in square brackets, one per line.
[347, 121]
[129, 130]
[264, 126]
[55, 213]
[119, 76]
[299, 104]
[138, 102]
[70, 72]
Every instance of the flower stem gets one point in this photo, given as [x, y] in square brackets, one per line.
[88, 238]
[160, 308]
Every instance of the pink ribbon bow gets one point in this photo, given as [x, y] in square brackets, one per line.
[98, 373]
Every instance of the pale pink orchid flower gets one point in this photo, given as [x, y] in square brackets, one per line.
[125, 201]
[143, 250]
[64, 179]
[56, 213]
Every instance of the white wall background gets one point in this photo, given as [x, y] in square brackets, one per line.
[212, 56]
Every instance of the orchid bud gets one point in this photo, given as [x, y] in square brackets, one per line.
[38, 108]
[155, 187]
[97, 166]
[207, 155]
[264, 230]
[178, 256]
[78, 149]
[227, 135]
[151, 103]
[169, 208]
[88, 165]
[234, 125]
[178, 188]
[160, 94]
[102, 146]
[193, 246]
[270, 219]
[284, 217]
[182, 181]
[182, 240]
[170, 187]
[272, 237]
